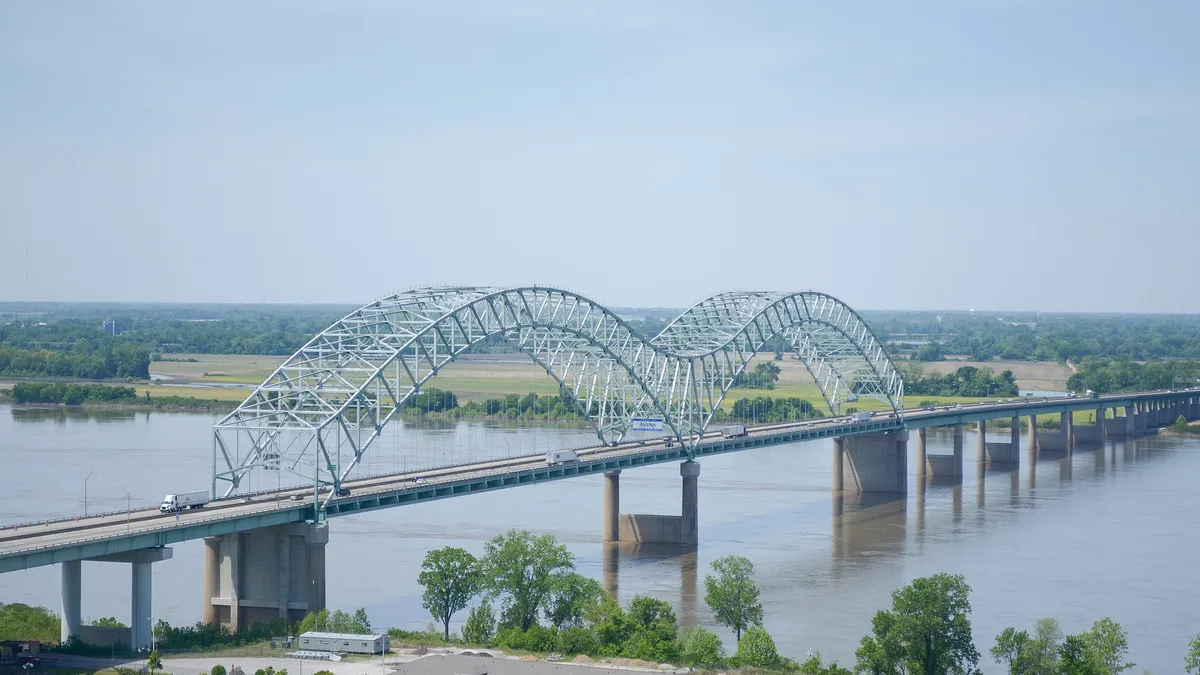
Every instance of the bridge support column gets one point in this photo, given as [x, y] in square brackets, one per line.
[948, 466]
[612, 505]
[873, 463]
[981, 447]
[682, 530]
[921, 457]
[690, 526]
[1067, 424]
[265, 574]
[839, 456]
[1032, 442]
[141, 609]
[72, 599]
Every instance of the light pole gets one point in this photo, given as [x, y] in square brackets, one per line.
[85, 480]
[127, 500]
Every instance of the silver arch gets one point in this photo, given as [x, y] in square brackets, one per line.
[320, 411]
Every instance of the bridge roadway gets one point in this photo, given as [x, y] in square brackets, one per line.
[35, 544]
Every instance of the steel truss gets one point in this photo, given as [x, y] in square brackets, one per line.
[320, 411]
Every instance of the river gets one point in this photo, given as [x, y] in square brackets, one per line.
[1105, 532]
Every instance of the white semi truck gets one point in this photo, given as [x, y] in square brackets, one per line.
[561, 457]
[734, 431]
[183, 500]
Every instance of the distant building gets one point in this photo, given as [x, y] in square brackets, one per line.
[314, 641]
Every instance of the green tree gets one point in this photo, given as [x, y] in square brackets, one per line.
[927, 631]
[756, 648]
[1181, 424]
[480, 627]
[1073, 658]
[732, 595]
[526, 570]
[1192, 663]
[1105, 646]
[153, 663]
[610, 624]
[217, 670]
[572, 596]
[362, 624]
[108, 622]
[1011, 648]
[814, 666]
[451, 577]
[22, 622]
[654, 630]
[700, 647]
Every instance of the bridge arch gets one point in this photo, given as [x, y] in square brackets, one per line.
[321, 410]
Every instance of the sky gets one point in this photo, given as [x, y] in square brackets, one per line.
[940, 154]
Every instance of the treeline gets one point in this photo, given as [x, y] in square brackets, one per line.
[71, 394]
[1112, 376]
[966, 381]
[764, 376]
[763, 409]
[108, 360]
[984, 336]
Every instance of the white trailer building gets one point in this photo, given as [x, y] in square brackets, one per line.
[349, 643]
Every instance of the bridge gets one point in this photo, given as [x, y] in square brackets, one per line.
[320, 412]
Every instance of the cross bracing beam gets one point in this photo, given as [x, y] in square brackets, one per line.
[319, 412]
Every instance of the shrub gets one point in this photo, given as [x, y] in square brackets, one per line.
[480, 627]
[217, 670]
[577, 640]
[323, 672]
[757, 648]
[701, 647]
[536, 639]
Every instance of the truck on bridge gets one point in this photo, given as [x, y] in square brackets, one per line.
[183, 500]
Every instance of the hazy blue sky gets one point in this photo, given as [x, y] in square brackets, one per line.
[949, 154]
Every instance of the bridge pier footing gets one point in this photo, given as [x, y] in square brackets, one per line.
[871, 463]
[682, 530]
[141, 599]
[265, 574]
[948, 466]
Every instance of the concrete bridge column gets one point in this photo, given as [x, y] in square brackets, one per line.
[265, 574]
[921, 458]
[681, 530]
[1068, 428]
[1130, 422]
[612, 505]
[1032, 442]
[981, 447]
[872, 463]
[72, 599]
[1015, 435]
[948, 466]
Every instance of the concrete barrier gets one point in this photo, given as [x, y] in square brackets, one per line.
[651, 529]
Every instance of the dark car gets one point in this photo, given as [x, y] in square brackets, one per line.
[29, 659]
[341, 492]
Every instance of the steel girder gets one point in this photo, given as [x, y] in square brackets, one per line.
[320, 411]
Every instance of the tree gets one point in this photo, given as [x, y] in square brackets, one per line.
[1105, 646]
[362, 624]
[526, 569]
[700, 647]
[814, 666]
[153, 663]
[217, 670]
[1011, 647]
[732, 594]
[108, 622]
[451, 578]
[573, 594]
[756, 648]
[480, 627]
[927, 630]
[1192, 663]
[654, 630]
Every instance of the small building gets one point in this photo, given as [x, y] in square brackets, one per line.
[344, 642]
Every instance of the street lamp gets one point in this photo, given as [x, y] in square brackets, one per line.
[85, 480]
[127, 500]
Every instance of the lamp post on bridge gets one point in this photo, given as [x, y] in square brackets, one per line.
[127, 508]
[85, 482]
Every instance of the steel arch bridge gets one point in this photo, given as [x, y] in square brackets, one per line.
[319, 412]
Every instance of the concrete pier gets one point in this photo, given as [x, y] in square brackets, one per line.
[1091, 433]
[72, 599]
[612, 506]
[266, 574]
[922, 461]
[948, 466]
[681, 530]
[981, 444]
[1032, 443]
[872, 463]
